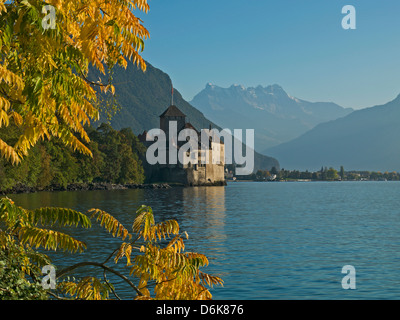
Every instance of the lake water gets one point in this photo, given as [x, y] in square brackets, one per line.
[266, 240]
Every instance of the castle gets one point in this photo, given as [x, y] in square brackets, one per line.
[193, 173]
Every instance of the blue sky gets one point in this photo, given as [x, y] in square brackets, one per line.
[298, 44]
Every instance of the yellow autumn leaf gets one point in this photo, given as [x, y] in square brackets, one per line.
[53, 71]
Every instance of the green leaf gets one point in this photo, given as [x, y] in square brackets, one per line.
[61, 216]
[111, 224]
[49, 239]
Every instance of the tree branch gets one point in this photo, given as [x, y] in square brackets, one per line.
[91, 82]
[109, 285]
[9, 97]
[101, 265]
[112, 253]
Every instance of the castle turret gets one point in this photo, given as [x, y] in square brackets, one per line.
[172, 114]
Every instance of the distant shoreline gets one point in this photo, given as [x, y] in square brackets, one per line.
[305, 180]
[93, 186]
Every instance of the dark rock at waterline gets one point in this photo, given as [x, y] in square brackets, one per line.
[20, 188]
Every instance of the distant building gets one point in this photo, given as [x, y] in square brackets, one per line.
[194, 173]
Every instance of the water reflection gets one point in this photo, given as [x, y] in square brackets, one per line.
[205, 208]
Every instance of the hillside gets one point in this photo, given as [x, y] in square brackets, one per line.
[143, 96]
[366, 139]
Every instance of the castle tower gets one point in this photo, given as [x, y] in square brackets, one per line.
[172, 114]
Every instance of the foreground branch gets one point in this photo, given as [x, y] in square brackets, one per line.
[101, 265]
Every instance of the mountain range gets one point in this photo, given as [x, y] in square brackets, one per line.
[275, 116]
[367, 139]
[143, 96]
[301, 135]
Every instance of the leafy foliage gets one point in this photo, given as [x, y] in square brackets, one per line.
[88, 288]
[13, 282]
[51, 164]
[154, 254]
[45, 94]
[22, 225]
[20, 234]
[44, 88]
[177, 275]
[110, 223]
[159, 266]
